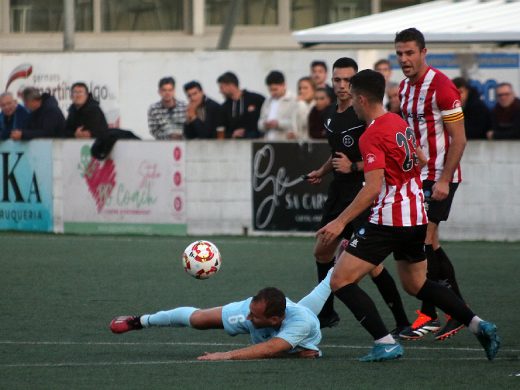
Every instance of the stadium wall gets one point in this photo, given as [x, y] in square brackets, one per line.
[204, 188]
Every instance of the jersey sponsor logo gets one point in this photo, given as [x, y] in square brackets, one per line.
[348, 141]
[371, 158]
[418, 116]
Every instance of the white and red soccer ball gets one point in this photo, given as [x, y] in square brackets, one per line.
[201, 259]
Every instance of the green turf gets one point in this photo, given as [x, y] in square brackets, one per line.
[60, 292]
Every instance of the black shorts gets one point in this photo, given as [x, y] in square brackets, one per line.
[339, 198]
[373, 243]
[437, 210]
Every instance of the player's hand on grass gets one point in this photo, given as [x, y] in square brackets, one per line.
[308, 354]
[330, 232]
[213, 356]
[441, 190]
[341, 163]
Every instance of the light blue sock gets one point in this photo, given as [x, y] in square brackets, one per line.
[177, 318]
[317, 297]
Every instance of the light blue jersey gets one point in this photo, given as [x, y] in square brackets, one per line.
[300, 327]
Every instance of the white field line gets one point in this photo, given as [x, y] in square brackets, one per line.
[166, 362]
[208, 344]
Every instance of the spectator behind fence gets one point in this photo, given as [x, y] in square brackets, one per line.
[166, 117]
[306, 102]
[319, 74]
[477, 118]
[241, 110]
[45, 119]
[203, 116]
[318, 114]
[85, 119]
[384, 67]
[278, 114]
[13, 115]
[506, 114]
[392, 95]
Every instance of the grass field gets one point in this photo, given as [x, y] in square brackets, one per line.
[59, 294]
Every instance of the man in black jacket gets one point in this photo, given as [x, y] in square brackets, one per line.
[46, 119]
[85, 119]
[477, 117]
[203, 115]
[241, 109]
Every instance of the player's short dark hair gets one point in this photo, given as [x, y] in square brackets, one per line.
[31, 93]
[345, 62]
[79, 84]
[274, 301]
[409, 35]
[370, 84]
[382, 61]
[275, 77]
[461, 82]
[192, 84]
[228, 78]
[167, 80]
[323, 64]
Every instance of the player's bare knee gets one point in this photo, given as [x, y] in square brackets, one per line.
[197, 320]
[338, 281]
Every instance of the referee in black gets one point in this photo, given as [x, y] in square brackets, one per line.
[343, 132]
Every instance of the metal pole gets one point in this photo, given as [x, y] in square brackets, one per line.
[69, 25]
[227, 29]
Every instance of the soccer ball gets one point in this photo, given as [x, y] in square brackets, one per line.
[201, 259]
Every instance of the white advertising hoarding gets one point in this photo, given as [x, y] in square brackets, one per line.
[140, 188]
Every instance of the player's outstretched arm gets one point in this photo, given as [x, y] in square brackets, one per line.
[272, 348]
[315, 176]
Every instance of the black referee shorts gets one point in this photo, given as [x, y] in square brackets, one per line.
[437, 210]
[373, 243]
[339, 198]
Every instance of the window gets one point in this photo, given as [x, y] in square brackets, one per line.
[142, 15]
[43, 16]
[252, 12]
[310, 13]
[387, 5]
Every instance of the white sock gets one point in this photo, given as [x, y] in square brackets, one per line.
[473, 325]
[178, 318]
[388, 339]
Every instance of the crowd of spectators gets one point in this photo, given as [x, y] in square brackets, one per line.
[282, 115]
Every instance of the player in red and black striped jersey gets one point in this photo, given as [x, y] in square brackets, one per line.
[431, 105]
[397, 224]
[344, 129]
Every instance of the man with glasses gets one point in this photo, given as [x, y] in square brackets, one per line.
[506, 114]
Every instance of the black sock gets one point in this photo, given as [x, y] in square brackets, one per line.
[446, 271]
[323, 269]
[428, 308]
[388, 289]
[445, 299]
[363, 309]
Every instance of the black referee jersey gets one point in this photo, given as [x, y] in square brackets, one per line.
[343, 132]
